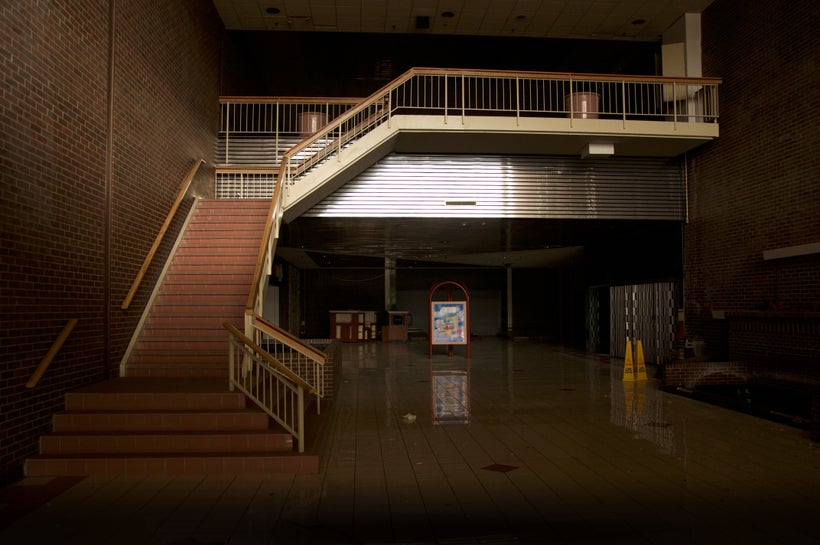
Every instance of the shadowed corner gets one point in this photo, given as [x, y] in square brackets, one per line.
[24, 496]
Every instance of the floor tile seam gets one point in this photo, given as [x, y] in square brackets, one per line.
[125, 486]
[713, 475]
[473, 470]
[128, 496]
[81, 490]
[753, 442]
[224, 493]
[569, 477]
[502, 506]
[289, 504]
[760, 458]
[604, 459]
[342, 413]
[416, 476]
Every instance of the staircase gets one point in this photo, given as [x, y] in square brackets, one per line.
[207, 284]
[162, 426]
[172, 413]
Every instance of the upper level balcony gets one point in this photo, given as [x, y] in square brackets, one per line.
[315, 145]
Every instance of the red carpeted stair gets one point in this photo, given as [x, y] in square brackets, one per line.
[172, 413]
[207, 284]
[164, 426]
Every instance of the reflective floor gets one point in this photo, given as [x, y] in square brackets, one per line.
[524, 443]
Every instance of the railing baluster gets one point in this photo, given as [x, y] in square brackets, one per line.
[623, 102]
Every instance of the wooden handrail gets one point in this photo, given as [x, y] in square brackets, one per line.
[41, 369]
[148, 258]
[263, 245]
[296, 379]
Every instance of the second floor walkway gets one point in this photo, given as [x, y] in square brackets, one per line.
[457, 111]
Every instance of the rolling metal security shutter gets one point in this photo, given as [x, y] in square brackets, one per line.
[512, 187]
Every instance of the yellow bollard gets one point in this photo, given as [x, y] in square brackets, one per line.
[639, 361]
[629, 368]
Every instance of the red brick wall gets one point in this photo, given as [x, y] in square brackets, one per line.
[54, 260]
[755, 188]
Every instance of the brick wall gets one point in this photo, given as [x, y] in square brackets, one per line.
[785, 345]
[55, 218]
[691, 374]
[755, 188]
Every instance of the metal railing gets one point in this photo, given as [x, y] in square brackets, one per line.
[259, 130]
[456, 94]
[268, 383]
[304, 360]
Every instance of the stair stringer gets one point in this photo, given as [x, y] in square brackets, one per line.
[339, 168]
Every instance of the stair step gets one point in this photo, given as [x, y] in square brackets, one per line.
[174, 370]
[207, 254]
[202, 299]
[207, 284]
[191, 322]
[62, 444]
[79, 400]
[108, 421]
[189, 287]
[219, 312]
[245, 227]
[199, 274]
[172, 465]
[174, 333]
[207, 250]
[226, 204]
[193, 346]
[249, 245]
[215, 269]
[203, 358]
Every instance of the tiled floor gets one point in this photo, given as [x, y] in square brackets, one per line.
[525, 443]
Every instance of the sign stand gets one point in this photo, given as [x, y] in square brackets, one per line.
[450, 319]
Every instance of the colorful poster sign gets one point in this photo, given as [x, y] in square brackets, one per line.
[449, 322]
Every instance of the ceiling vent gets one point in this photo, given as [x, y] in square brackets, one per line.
[422, 22]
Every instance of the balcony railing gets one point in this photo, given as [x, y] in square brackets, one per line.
[456, 95]
[259, 130]
[257, 134]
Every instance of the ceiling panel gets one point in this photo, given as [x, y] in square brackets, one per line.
[640, 20]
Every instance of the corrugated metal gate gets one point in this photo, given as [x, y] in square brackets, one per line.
[645, 312]
[509, 186]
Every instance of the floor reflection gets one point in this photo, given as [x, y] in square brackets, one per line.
[450, 394]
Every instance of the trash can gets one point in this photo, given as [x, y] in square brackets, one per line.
[582, 105]
[310, 122]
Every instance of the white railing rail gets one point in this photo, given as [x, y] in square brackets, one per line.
[268, 383]
[259, 130]
[456, 94]
[304, 360]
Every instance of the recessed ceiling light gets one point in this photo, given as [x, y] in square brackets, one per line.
[520, 17]
[272, 11]
[638, 22]
[448, 14]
